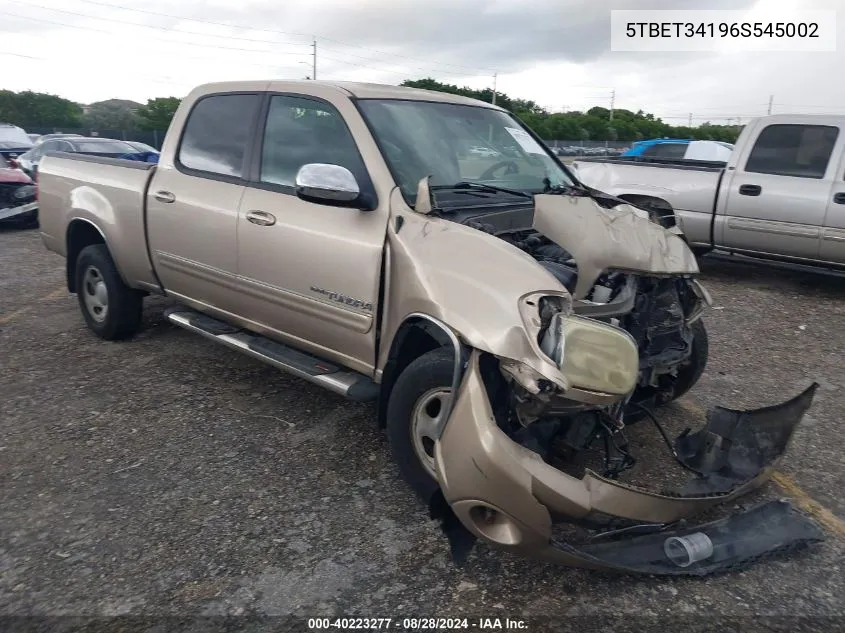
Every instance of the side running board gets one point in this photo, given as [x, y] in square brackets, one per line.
[342, 381]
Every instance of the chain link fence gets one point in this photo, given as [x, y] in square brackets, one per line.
[156, 138]
[588, 148]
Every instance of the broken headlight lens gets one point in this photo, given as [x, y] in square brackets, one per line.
[24, 193]
[598, 357]
[554, 339]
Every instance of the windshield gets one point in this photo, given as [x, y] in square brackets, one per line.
[458, 143]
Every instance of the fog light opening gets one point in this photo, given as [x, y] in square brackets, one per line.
[495, 525]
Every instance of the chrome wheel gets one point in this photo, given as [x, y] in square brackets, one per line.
[95, 293]
[426, 417]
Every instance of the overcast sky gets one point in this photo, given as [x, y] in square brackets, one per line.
[556, 52]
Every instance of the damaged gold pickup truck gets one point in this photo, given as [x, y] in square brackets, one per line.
[427, 253]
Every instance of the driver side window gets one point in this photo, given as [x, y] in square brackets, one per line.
[301, 131]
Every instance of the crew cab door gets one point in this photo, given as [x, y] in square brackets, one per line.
[833, 231]
[778, 194]
[193, 200]
[310, 272]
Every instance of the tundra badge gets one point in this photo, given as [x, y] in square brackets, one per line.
[345, 300]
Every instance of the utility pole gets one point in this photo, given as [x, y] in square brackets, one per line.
[494, 88]
[690, 120]
[612, 100]
[314, 62]
[771, 101]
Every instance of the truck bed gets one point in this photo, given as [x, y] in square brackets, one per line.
[116, 188]
[688, 188]
[648, 161]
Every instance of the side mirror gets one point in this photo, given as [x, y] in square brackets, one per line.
[327, 184]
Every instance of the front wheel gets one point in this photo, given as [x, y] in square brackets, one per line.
[689, 374]
[674, 386]
[419, 400]
[111, 309]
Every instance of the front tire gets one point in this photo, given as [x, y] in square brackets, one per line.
[419, 398]
[689, 374]
[111, 309]
[687, 377]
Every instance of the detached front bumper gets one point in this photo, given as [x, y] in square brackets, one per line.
[507, 495]
[22, 212]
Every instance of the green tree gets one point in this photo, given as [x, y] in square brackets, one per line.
[157, 113]
[594, 124]
[37, 109]
[114, 114]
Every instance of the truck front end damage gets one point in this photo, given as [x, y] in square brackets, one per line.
[501, 481]
[553, 373]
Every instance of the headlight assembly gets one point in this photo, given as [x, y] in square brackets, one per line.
[24, 193]
[599, 357]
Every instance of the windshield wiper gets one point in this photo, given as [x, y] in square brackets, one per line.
[478, 186]
[567, 190]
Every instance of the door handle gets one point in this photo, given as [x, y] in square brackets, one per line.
[261, 218]
[164, 196]
[750, 190]
[839, 198]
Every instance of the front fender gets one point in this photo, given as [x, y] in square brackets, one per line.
[469, 280]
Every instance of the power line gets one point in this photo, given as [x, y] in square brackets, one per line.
[206, 45]
[19, 55]
[185, 42]
[159, 39]
[370, 59]
[180, 42]
[181, 55]
[265, 30]
[150, 26]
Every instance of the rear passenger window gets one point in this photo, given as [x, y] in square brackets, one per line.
[301, 131]
[793, 150]
[217, 132]
[666, 150]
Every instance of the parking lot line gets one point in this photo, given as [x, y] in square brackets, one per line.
[8, 318]
[812, 507]
[58, 293]
[822, 515]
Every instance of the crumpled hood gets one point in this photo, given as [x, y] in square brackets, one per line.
[600, 239]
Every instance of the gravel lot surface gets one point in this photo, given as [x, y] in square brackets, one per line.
[169, 476]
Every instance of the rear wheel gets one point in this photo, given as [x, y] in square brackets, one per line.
[110, 308]
[418, 402]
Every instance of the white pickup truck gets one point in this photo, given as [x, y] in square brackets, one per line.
[780, 195]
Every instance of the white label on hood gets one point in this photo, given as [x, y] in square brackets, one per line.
[525, 141]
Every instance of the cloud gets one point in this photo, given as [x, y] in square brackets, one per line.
[556, 52]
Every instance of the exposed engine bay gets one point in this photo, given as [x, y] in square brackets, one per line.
[659, 312]
[531, 450]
